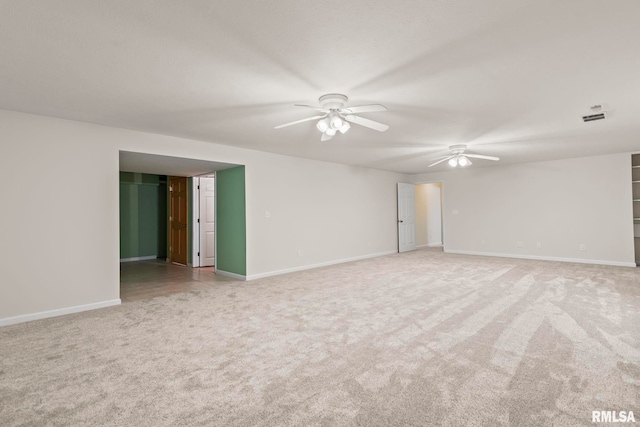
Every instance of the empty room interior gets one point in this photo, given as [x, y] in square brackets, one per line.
[323, 213]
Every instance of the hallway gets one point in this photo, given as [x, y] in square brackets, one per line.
[142, 280]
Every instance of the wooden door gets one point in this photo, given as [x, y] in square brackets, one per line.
[178, 230]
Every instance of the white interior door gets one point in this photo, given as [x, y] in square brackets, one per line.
[207, 222]
[406, 217]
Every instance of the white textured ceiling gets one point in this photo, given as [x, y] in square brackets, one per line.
[510, 78]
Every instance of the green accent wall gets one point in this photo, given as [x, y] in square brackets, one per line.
[142, 216]
[139, 178]
[231, 221]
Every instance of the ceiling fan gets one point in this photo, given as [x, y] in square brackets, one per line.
[336, 116]
[458, 157]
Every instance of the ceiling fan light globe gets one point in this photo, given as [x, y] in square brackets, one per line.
[345, 127]
[330, 131]
[453, 162]
[464, 161]
[322, 125]
[336, 122]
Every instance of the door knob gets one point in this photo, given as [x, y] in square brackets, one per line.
[400, 220]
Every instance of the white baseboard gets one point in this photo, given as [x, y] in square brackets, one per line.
[232, 275]
[322, 264]
[139, 258]
[58, 312]
[544, 258]
[421, 246]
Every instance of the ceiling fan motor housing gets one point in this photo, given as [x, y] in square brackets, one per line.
[457, 149]
[333, 101]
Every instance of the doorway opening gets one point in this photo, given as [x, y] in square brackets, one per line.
[429, 230]
[420, 219]
[158, 218]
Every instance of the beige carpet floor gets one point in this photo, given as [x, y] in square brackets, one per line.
[415, 339]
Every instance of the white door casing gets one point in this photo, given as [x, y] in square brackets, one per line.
[406, 217]
[195, 230]
[207, 222]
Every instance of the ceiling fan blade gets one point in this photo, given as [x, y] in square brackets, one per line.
[323, 110]
[366, 123]
[300, 121]
[441, 160]
[480, 156]
[325, 137]
[364, 109]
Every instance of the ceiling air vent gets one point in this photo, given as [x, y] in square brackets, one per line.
[597, 113]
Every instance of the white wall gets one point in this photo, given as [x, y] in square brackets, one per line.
[59, 217]
[59, 222]
[327, 211]
[559, 204]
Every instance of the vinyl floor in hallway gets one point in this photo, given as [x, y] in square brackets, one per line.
[142, 280]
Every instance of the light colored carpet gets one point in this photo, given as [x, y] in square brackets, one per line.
[421, 338]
